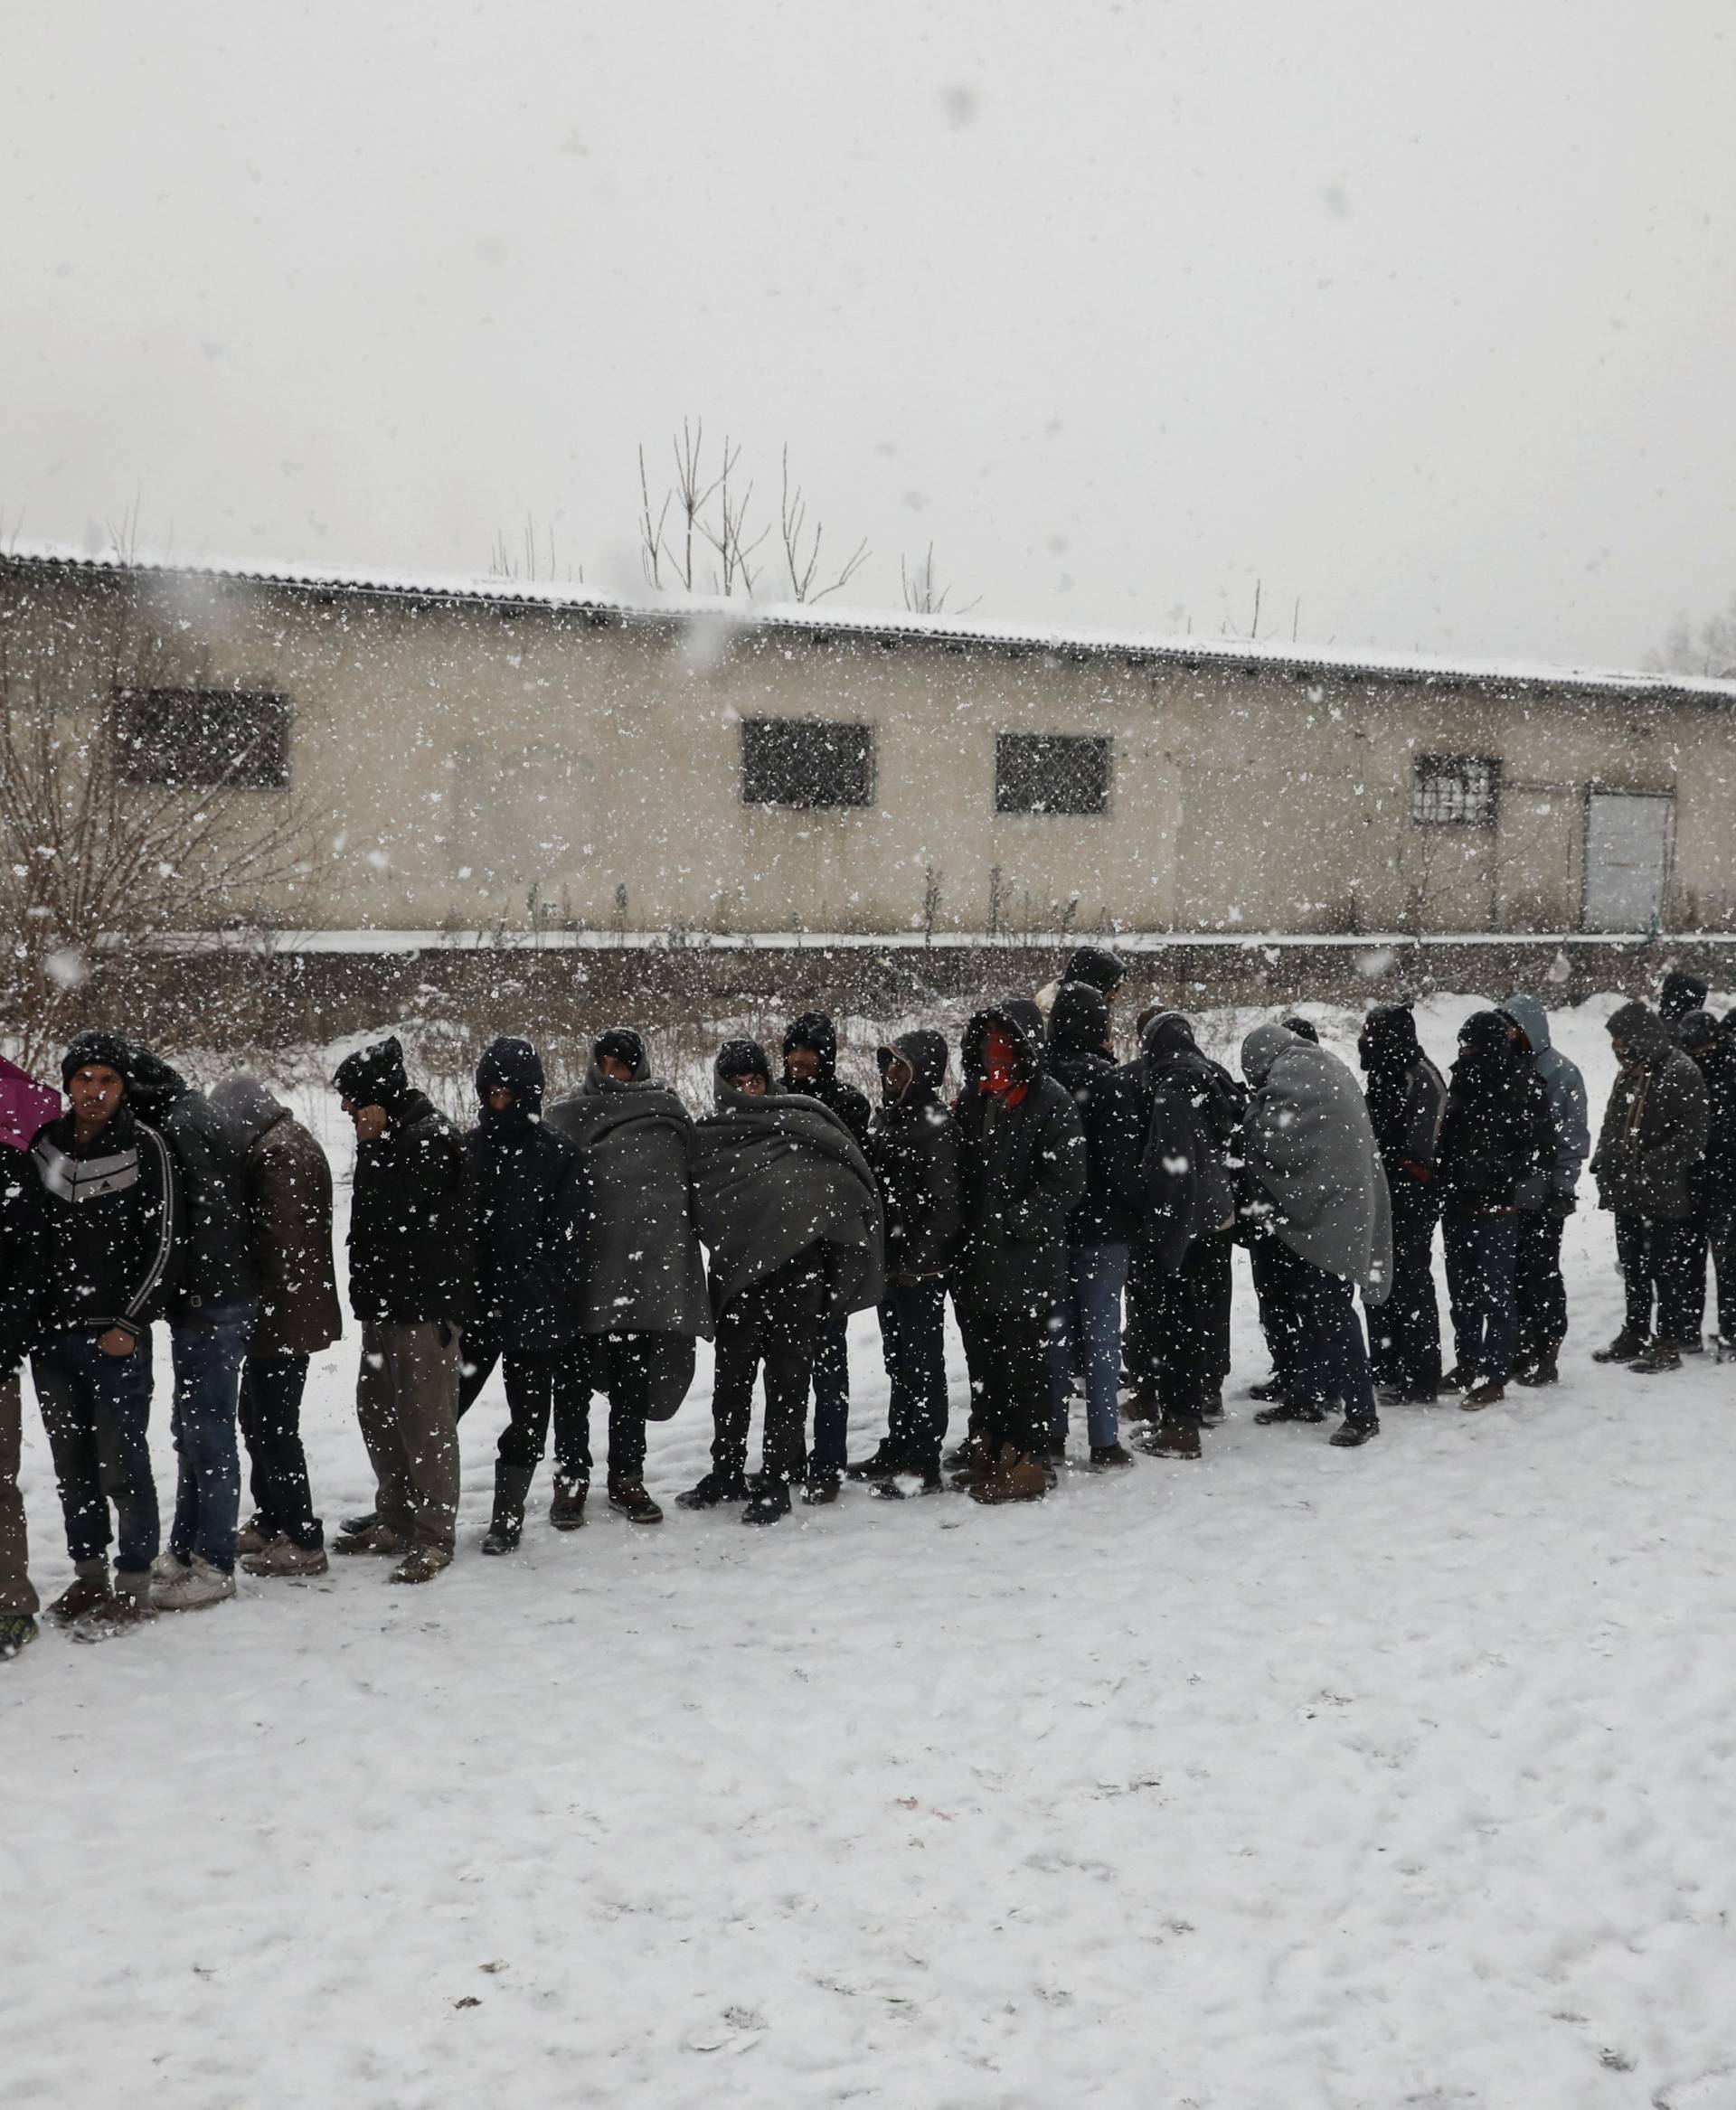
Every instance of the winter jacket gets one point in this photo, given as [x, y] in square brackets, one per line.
[1712, 1182]
[528, 1205]
[913, 1149]
[1191, 1147]
[1077, 1057]
[814, 1030]
[1407, 1099]
[777, 1176]
[1680, 995]
[1314, 1173]
[21, 1258]
[413, 1241]
[209, 1160]
[644, 1271]
[111, 1231]
[1498, 1139]
[1022, 1169]
[1567, 1098]
[288, 1188]
[1655, 1126]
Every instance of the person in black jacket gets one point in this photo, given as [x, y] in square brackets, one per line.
[413, 1286]
[212, 1316]
[111, 1242]
[1407, 1099]
[811, 1069]
[914, 1152]
[21, 1299]
[1100, 1230]
[1497, 1148]
[1681, 994]
[528, 1194]
[1022, 1174]
[1713, 1180]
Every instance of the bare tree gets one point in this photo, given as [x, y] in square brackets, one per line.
[802, 547]
[923, 593]
[533, 559]
[1708, 647]
[730, 535]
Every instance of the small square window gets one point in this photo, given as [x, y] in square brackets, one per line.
[1050, 773]
[1455, 791]
[807, 762]
[204, 736]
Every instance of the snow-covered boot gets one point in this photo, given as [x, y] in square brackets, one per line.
[567, 1508]
[512, 1491]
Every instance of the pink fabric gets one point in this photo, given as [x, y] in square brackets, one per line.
[24, 1104]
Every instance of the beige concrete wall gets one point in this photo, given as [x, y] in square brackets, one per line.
[454, 756]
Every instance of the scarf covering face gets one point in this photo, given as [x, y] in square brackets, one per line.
[1310, 1149]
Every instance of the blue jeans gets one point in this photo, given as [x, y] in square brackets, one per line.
[1090, 1314]
[208, 1359]
[831, 1396]
[1482, 1252]
[97, 1411]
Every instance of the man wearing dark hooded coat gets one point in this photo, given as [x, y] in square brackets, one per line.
[790, 1215]
[527, 1193]
[1095, 965]
[644, 1300]
[1316, 1197]
[811, 1068]
[1022, 1174]
[288, 1185]
[913, 1151]
[1497, 1150]
[1540, 1291]
[1407, 1098]
[1713, 1180]
[1654, 1134]
[1680, 995]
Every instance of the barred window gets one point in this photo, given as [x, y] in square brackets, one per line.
[807, 762]
[204, 736]
[1457, 791]
[1050, 773]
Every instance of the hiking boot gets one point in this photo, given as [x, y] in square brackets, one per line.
[1659, 1358]
[130, 1605]
[1285, 1411]
[1272, 1388]
[284, 1557]
[1212, 1413]
[820, 1490]
[511, 1492]
[377, 1539]
[1015, 1476]
[1111, 1454]
[503, 1535]
[767, 1501]
[880, 1464]
[421, 1564]
[1171, 1439]
[17, 1631]
[628, 1499]
[1141, 1405]
[1406, 1395]
[356, 1526]
[713, 1490]
[1539, 1374]
[197, 1590]
[930, 1477]
[567, 1505]
[88, 1590]
[1352, 1435]
[254, 1537]
[1625, 1348]
[1482, 1396]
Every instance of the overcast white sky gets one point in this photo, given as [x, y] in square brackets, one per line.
[1424, 315]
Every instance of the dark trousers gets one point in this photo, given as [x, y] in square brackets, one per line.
[1184, 1335]
[539, 1389]
[1274, 1269]
[1722, 1248]
[831, 1395]
[1658, 1271]
[1480, 1255]
[774, 1325]
[1211, 1255]
[97, 1411]
[1539, 1291]
[1139, 1330]
[913, 1342]
[1325, 1355]
[1404, 1333]
[1007, 1349]
[270, 1418]
[645, 1378]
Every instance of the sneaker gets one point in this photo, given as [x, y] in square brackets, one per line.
[169, 1567]
[1171, 1439]
[628, 1499]
[87, 1593]
[199, 1588]
[377, 1539]
[421, 1564]
[1111, 1454]
[1352, 1435]
[767, 1503]
[567, 1505]
[17, 1631]
[880, 1464]
[1285, 1411]
[713, 1490]
[1625, 1348]
[284, 1557]
[1482, 1396]
[1659, 1358]
[253, 1537]
[820, 1490]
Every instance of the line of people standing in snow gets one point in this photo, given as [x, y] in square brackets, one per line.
[1080, 1214]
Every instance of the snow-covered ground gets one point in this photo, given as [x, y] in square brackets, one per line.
[1394, 1777]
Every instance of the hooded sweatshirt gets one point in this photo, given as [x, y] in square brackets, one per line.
[644, 1271]
[1407, 1097]
[527, 1195]
[1312, 1160]
[1566, 1091]
[776, 1175]
[288, 1185]
[1076, 1054]
[210, 1157]
[816, 1031]
[1498, 1142]
[1190, 1142]
[1654, 1126]
[913, 1149]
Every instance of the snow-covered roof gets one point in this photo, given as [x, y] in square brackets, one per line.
[825, 620]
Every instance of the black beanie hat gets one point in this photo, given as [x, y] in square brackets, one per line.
[90, 1049]
[620, 1045]
[1303, 1028]
[513, 1066]
[373, 1076]
[742, 1058]
[1098, 965]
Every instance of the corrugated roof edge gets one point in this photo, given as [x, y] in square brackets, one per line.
[1240, 654]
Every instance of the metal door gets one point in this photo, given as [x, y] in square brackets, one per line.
[1627, 860]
